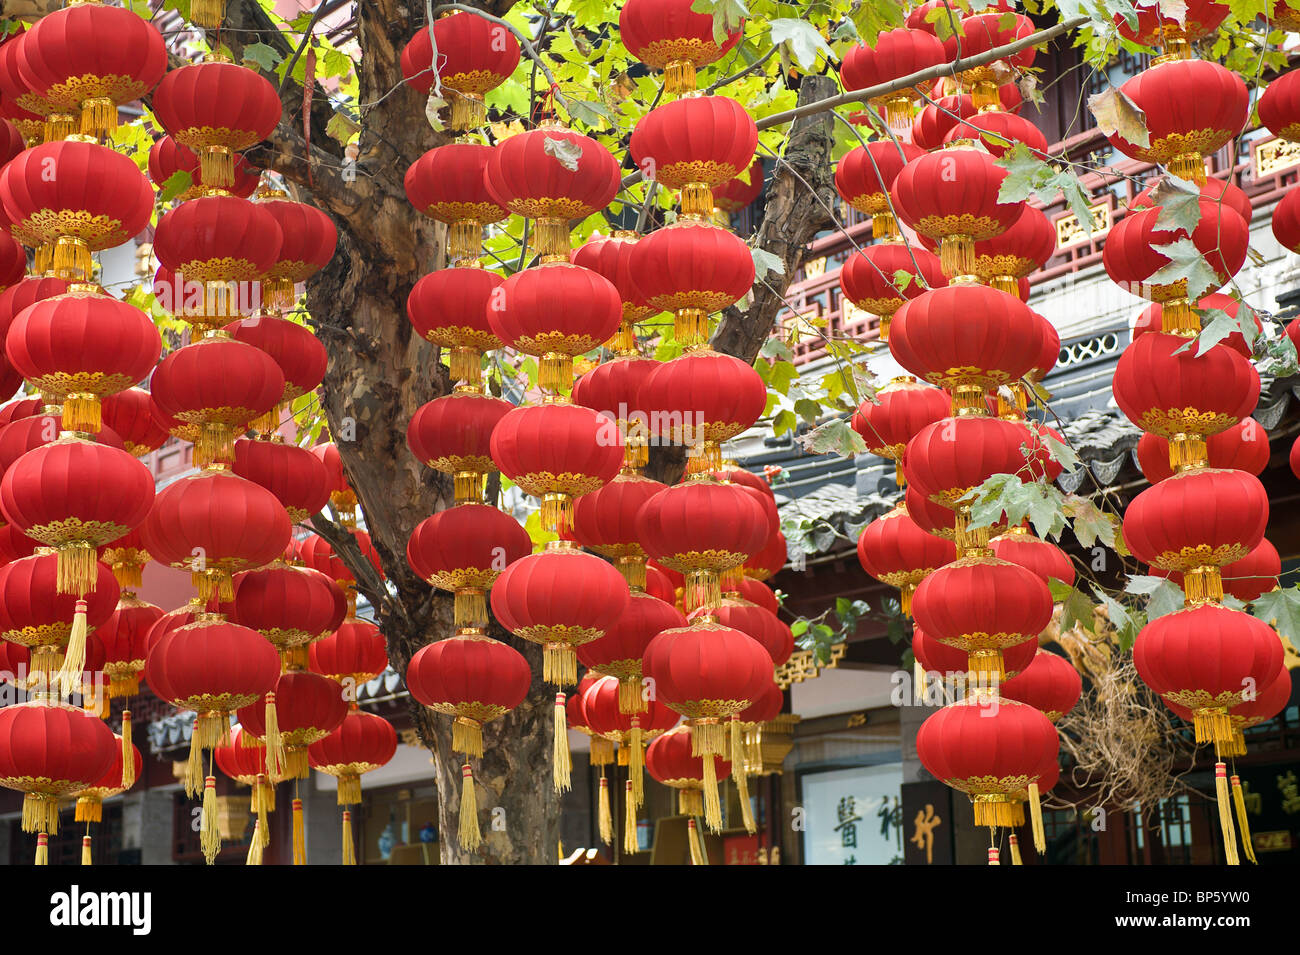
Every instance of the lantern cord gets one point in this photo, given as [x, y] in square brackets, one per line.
[630, 844]
[470, 837]
[562, 764]
[1036, 818]
[349, 848]
[128, 752]
[299, 834]
[605, 816]
[1225, 814]
[1239, 801]
[1015, 850]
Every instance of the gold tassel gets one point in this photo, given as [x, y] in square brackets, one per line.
[1239, 801]
[128, 752]
[562, 765]
[74, 660]
[85, 850]
[263, 802]
[957, 255]
[89, 809]
[349, 849]
[349, 789]
[275, 761]
[194, 765]
[630, 699]
[636, 763]
[602, 751]
[1015, 851]
[467, 736]
[712, 804]
[1036, 819]
[470, 837]
[630, 844]
[210, 831]
[559, 664]
[555, 372]
[605, 817]
[708, 736]
[299, 835]
[469, 608]
[918, 678]
[693, 837]
[742, 779]
[255, 846]
[42, 849]
[1225, 814]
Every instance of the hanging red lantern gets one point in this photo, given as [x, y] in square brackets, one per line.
[98, 200]
[931, 517]
[1242, 447]
[524, 316]
[114, 782]
[1049, 684]
[894, 55]
[1019, 546]
[124, 637]
[446, 184]
[465, 549]
[1196, 522]
[671, 761]
[13, 259]
[315, 552]
[968, 339]
[17, 101]
[216, 109]
[736, 194]
[17, 298]
[982, 605]
[167, 157]
[611, 256]
[614, 388]
[895, 551]
[1184, 129]
[902, 408]
[309, 239]
[1246, 579]
[1151, 319]
[1286, 222]
[361, 743]
[865, 176]
[1279, 107]
[952, 197]
[1156, 26]
[453, 435]
[215, 525]
[353, 654]
[605, 521]
[525, 176]
[475, 56]
[936, 120]
[291, 606]
[756, 622]
[557, 452]
[991, 749]
[131, 416]
[342, 496]
[936, 657]
[998, 132]
[1019, 251]
[27, 434]
[307, 706]
[298, 353]
[243, 759]
[35, 614]
[767, 563]
[87, 60]
[981, 33]
[294, 475]
[1183, 396]
[871, 278]
[694, 144]
[669, 35]
[449, 308]
[1218, 191]
[14, 544]
[619, 651]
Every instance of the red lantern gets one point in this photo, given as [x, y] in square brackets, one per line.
[17, 298]
[298, 353]
[895, 551]
[1207, 658]
[167, 157]
[671, 761]
[1048, 561]
[1196, 522]
[446, 184]
[130, 414]
[605, 521]
[755, 621]
[353, 654]
[1246, 579]
[450, 308]
[982, 605]
[694, 144]
[1218, 191]
[968, 339]
[291, 606]
[1018, 252]
[307, 706]
[894, 55]
[215, 525]
[670, 35]
[870, 278]
[116, 780]
[294, 475]
[1279, 107]
[475, 56]
[865, 176]
[309, 239]
[936, 120]
[614, 388]
[1243, 447]
[930, 517]
[557, 453]
[998, 132]
[1151, 319]
[902, 408]
[1049, 684]
[87, 60]
[315, 552]
[1184, 129]
[981, 33]
[737, 194]
[952, 197]
[1156, 27]
[35, 614]
[361, 743]
[602, 710]
[991, 749]
[619, 651]
[465, 549]
[124, 637]
[216, 109]
[936, 657]
[453, 434]
[13, 259]
[525, 176]
[524, 316]
[767, 563]
[97, 200]
[611, 256]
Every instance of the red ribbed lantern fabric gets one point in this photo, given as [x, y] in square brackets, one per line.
[602, 707]
[16, 298]
[614, 388]
[936, 120]
[449, 308]
[749, 618]
[294, 475]
[982, 605]
[618, 653]
[465, 549]
[669, 35]
[1206, 657]
[168, 157]
[298, 354]
[124, 637]
[220, 238]
[1184, 129]
[453, 434]
[237, 525]
[446, 184]
[895, 54]
[290, 606]
[733, 196]
[524, 176]
[611, 256]
[1049, 684]
[701, 399]
[315, 552]
[13, 258]
[34, 614]
[1021, 250]
[361, 743]
[309, 239]
[670, 760]
[355, 652]
[1158, 27]
[475, 56]
[991, 749]
[998, 132]
[557, 453]
[903, 407]
[948, 458]
[1279, 107]
[1243, 447]
[865, 176]
[870, 278]
[952, 197]
[130, 414]
[895, 551]
[50, 751]
[1048, 561]
[561, 599]
[605, 521]
[525, 317]
[694, 144]
[767, 563]
[1218, 191]
[1151, 319]
[216, 109]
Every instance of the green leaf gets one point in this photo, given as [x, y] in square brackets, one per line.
[728, 15]
[1216, 325]
[177, 183]
[540, 536]
[1061, 452]
[766, 263]
[1089, 523]
[1127, 624]
[835, 437]
[775, 348]
[1163, 595]
[1117, 114]
[803, 40]
[591, 113]
[783, 422]
[1280, 609]
[808, 409]
[1179, 204]
[342, 127]
[779, 376]
[1185, 263]
[263, 54]
[1076, 608]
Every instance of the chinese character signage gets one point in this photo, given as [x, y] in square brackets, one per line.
[853, 816]
[927, 820]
